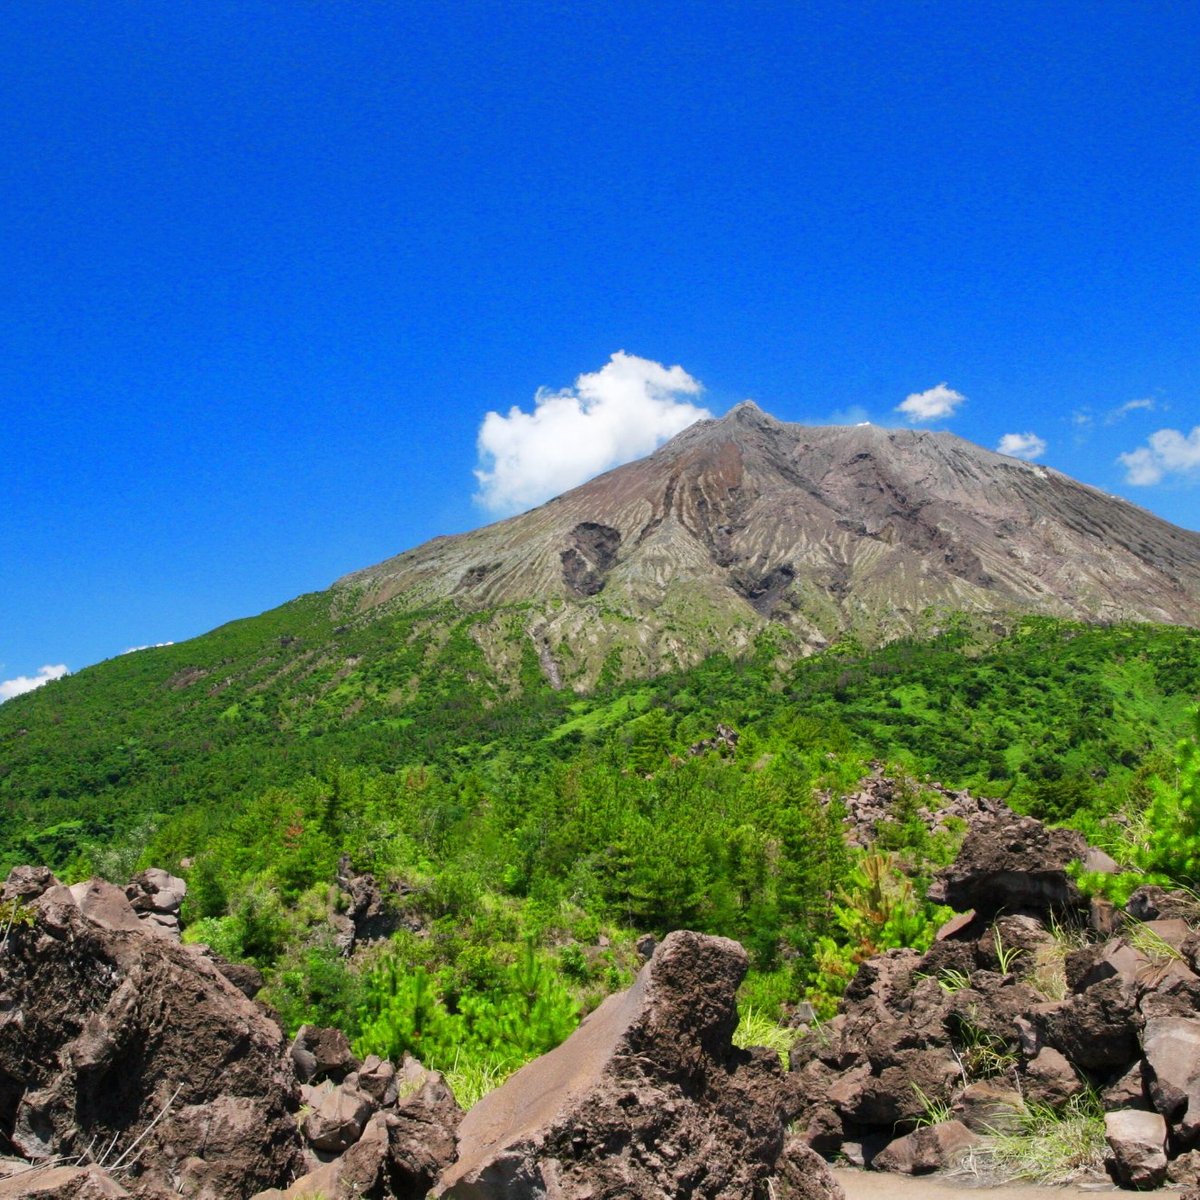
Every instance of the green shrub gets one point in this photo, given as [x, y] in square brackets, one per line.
[403, 1010]
[1173, 848]
[313, 987]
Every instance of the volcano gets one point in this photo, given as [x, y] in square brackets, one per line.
[746, 522]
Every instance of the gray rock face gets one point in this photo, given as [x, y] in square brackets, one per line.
[647, 1099]
[749, 520]
[157, 896]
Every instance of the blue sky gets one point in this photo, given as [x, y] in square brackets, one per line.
[266, 268]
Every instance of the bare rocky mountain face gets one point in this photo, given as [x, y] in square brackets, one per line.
[745, 521]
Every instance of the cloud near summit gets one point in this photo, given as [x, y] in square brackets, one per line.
[1167, 452]
[621, 412]
[930, 405]
[1022, 445]
[26, 683]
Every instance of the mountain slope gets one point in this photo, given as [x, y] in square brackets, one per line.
[747, 520]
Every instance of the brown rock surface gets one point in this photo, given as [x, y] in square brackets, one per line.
[62, 1183]
[933, 1148]
[648, 1098]
[1011, 863]
[337, 1122]
[1138, 1141]
[1172, 1049]
[400, 1154]
[111, 1033]
[1050, 1078]
[319, 1052]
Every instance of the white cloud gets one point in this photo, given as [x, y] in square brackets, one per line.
[930, 405]
[1123, 410]
[611, 416]
[147, 646]
[1022, 445]
[1167, 452]
[26, 683]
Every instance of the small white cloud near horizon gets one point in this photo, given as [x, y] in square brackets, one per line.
[1022, 445]
[27, 683]
[931, 405]
[1146, 404]
[147, 646]
[1167, 452]
[621, 412]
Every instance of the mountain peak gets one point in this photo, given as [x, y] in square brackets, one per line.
[746, 520]
[749, 412]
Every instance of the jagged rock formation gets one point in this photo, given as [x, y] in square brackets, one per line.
[647, 1099]
[1001, 1011]
[1012, 864]
[877, 797]
[119, 1044]
[746, 520]
[157, 896]
[369, 913]
[131, 1066]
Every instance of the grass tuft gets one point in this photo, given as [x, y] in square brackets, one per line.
[471, 1079]
[755, 1028]
[1051, 1146]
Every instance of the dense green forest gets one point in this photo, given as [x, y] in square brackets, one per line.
[526, 836]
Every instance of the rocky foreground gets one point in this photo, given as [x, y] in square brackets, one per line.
[1031, 997]
[132, 1065]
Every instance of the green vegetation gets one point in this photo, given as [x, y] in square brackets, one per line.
[756, 1028]
[525, 836]
[527, 1011]
[1158, 842]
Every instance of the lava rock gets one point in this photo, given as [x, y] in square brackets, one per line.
[648, 1098]
[1012, 863]
[1138, 1141]
[111, 1034]
[320, 1052]
[933, 1148]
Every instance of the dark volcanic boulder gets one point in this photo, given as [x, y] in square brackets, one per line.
[112, 1035]
[1096, 1029]
[320, 1052]
[648, 1098]
[401, 1152]
[1013, 864]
